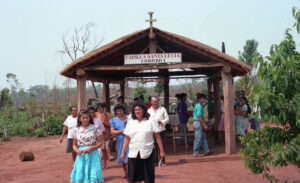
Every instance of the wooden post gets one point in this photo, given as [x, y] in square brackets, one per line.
[106, 95]
[209, 85]
[166, 93]
[81, 89]
[152, 43]
[217, 99]
[228, 108]
[122, 89]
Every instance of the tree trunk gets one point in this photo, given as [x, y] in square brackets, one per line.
[96, 94]
[5, 133]
[26, 156]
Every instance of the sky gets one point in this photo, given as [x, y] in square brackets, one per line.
[31, 30]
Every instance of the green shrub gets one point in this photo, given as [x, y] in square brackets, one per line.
[3, 138]
[39, 132]
[21, 128]
[53, 124]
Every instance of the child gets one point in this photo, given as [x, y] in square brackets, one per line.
[98, 124]
[105, 147]
[239, 122]
[87, 139]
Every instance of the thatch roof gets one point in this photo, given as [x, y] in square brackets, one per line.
[107, 62]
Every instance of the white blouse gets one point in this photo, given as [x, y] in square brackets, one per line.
[88, 136]
[141, 137]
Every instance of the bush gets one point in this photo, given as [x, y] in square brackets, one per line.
[53, 124]
[3, 138]
[21, 128]
[39, 132]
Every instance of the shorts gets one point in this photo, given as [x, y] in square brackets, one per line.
[69, 146]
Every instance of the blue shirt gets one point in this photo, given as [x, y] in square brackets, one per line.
[198, 111]
[118, 125]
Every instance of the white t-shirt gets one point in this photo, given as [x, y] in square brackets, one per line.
[71, 123]
[141, 137]
[159, 115]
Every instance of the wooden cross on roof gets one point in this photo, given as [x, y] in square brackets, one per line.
[151, 35]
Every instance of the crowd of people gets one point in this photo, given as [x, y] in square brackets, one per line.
[140, 132]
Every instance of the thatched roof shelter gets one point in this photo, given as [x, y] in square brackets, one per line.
[106, 64]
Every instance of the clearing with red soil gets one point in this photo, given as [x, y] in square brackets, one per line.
[53, 165]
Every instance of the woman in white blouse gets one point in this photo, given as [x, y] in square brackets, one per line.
[139, 134]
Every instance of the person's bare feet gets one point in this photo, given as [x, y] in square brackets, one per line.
[111, 158]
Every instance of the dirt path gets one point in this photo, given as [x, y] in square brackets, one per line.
[52, 164]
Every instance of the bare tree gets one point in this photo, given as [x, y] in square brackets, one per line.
[78, 44]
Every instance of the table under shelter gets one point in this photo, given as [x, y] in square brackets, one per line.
[106, 65]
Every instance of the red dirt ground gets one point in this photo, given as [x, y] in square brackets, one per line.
[52, 164]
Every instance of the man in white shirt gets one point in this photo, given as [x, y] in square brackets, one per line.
[69, 125]
[159, 115]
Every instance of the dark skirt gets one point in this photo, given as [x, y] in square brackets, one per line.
[69, 146]
[141, 169]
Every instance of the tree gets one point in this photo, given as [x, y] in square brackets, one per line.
[79, 44]
[140, 90]
[5, 99]
[278, 95]
[250, 49]
[191, 93]
[158, 88]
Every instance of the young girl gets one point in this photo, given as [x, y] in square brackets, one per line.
[239, 122]
[87, 139]
[104, 117]
[106, 135]
[244, 112]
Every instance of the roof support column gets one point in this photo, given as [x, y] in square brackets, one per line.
[228, 108]
[81, 89]
[217, 102]
[106, 95]
[166, 92]
[122, 88]
[209, 87]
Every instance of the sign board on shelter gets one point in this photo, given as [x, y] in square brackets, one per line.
[153, 58]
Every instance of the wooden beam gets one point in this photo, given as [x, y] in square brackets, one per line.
[166, 93]
[106, 95]
[81, 92]
[228, 108]
[155, 78]
[154, 66]
[122, 88]
[152, 46]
